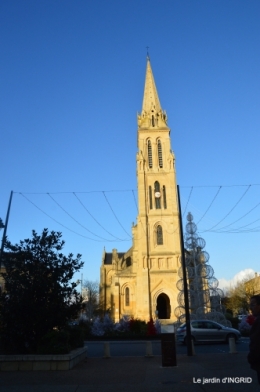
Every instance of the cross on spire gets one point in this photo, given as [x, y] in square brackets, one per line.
[147, 52]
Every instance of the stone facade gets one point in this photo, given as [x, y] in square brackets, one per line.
[142, 282]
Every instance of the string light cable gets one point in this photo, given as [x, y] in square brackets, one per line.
[115, 214]
[214, 198]
[223, 229]
[55, 220]
[85, 208]
[247, 213]
[75, 220]
[239, 200]
[239, 229]
[144, 233]
[187, 202]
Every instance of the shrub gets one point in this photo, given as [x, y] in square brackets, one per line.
[126, 327]
[123, 325]
[55, 342]
[97, 327]
[76, 337]
[85, 326]
[137, 326]
[108, 325]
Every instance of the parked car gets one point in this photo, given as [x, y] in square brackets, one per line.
[207, 331]
[242, 316]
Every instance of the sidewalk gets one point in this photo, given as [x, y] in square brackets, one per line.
[140, 374]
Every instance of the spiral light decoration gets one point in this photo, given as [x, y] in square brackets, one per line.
[203, 292]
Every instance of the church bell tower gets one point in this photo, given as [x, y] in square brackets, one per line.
[141, 282]
[156, 235]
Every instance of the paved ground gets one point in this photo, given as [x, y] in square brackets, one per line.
[140, 374]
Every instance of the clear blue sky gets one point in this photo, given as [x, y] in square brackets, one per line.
[72, 79]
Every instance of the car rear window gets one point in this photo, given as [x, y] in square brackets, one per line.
[198, 324]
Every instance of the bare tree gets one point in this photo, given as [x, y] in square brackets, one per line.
[90, 294]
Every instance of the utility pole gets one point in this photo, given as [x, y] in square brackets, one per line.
[185, 286]
[5, 228]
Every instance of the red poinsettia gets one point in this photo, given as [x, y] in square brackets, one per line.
[250, 319]
[151, 330]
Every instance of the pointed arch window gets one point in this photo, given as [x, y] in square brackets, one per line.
[127, 296]
[164, 197]
[159, 235]
[157, 195]
[151, 197]
[150, 155]
[160, 158]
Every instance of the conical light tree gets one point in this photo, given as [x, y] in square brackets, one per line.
[203, 292]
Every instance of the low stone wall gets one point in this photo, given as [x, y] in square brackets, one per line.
[42, 362]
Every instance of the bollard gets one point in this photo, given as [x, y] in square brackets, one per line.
[192, 347]
[232, 346]
[106, 350]
[149, 350]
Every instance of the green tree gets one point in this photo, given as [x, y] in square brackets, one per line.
[39, 295]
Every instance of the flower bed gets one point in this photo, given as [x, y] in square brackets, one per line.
[126, 329]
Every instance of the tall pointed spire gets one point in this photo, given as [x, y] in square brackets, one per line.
[151, 99]
[152, 114]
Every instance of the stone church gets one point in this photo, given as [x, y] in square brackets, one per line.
[142, 281]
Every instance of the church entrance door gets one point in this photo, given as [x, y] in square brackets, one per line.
[163, 306]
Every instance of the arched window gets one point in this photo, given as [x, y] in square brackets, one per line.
[160, 159]
[153, 122]
[164, 197]
[151, 197]
[150, 156]
[157, 195]
[159, 234]
[127, 296]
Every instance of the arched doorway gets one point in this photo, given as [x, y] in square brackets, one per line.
[163, 306]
